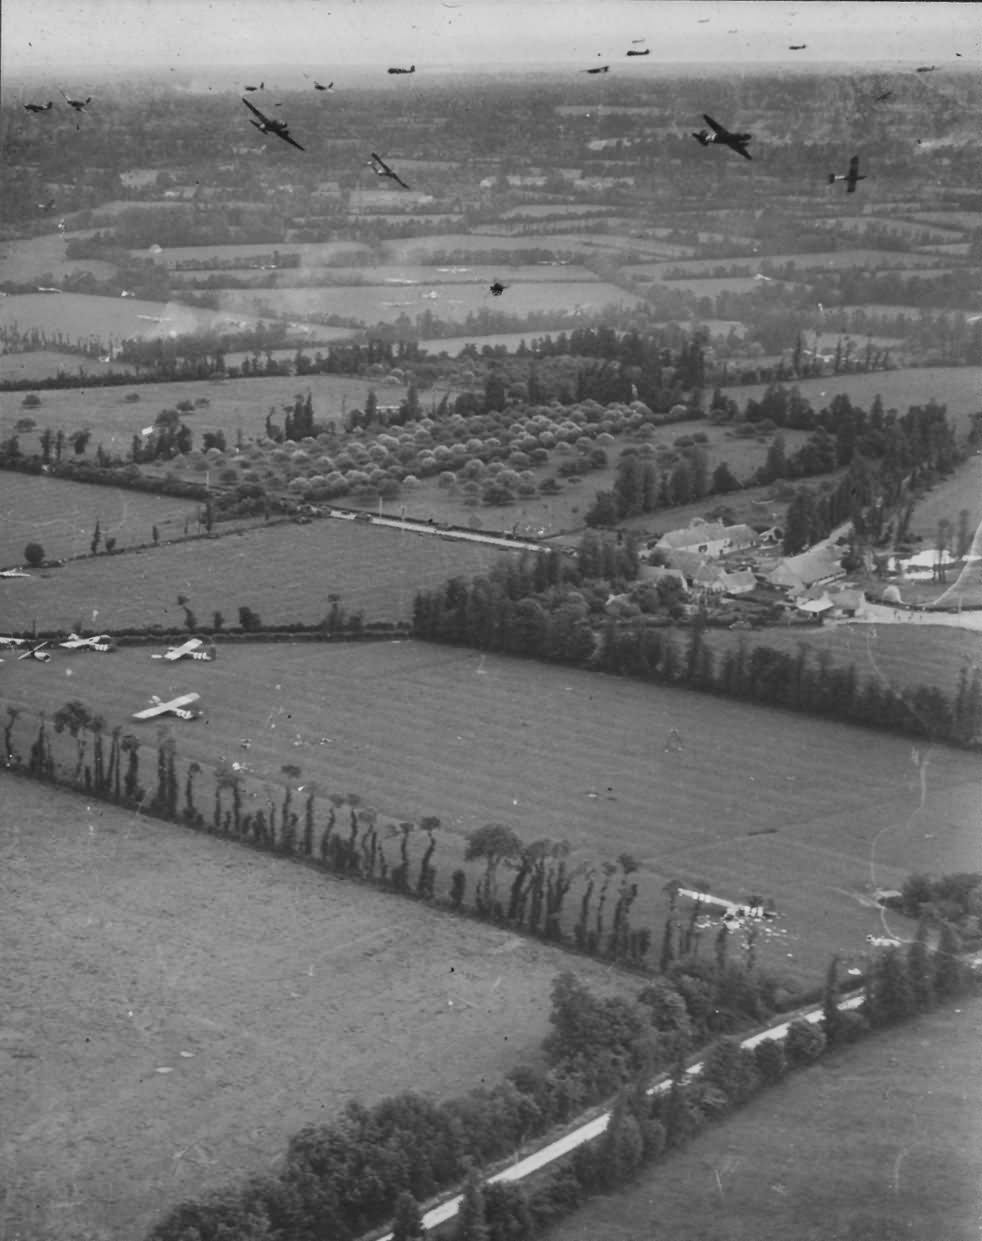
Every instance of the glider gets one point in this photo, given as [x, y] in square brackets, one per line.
[411, 69]
[78, 104]
[887, 94]
[497, 288]
[100, 642]
[850, 178]
[45, 206]
[925, 68]
[194, 648]
[632, 52]
[261, 86]
[177, 706]
[39, 107]
[382, 169]
[36, 652]
[269, 125]
[318, 86]
[723, 137]
[797, 47]
[599, 69]
[12, 573]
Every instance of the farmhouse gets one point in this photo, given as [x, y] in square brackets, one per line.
[659, 573]
[708, 538]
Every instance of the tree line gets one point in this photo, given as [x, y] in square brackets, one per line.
[515, 612]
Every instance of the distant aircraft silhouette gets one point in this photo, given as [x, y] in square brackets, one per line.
[497, 288]
[723, 137]
[926, 68]
[632, 52]
[261, 86]
[382, 169]
[411, 69]
[78, 104]
[850, 178]
[797, 47]
[599, 69]
[329, 86]
[269, 125]
[39, 107]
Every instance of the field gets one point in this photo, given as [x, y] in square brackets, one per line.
[377, 570]
[45, 363]
[83, 316]
[414, 273]
[385, 303]
[879, 260]
[177, 1006]
[62, 515]
[957, 387]
[829, 1155]
[312, 254]
[30, 259]
[755, 800]
[234, 405]
[946, 499]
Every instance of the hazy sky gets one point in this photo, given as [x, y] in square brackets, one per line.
[40, 34]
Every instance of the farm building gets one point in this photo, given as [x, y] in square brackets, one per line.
[715, 580]
[658, 573]
[710, 538]
[812, 568]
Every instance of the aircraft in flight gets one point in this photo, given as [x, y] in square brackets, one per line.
[925, 68]
[39, 107]
[261, 86]
[176, 706]
[269, 125]
[318, 86]
[632, 52]
[497, 288]
[45, 206]
[78, 104]
[100, 642]
[194, 648]
[382, 169]
[599, 69]
[411, 69]
[723, 137]
[797, 47]
[850, 178]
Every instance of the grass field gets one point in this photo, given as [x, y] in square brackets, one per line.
[29, 259]
[271, 996]
[808, 812]
[878, 1141]
[234, 405]
[312, 254]
[284, 572]
[384, 303]
[878, 260]
[45, 363]
[62, 515]
[957, 387]
[946, 499]
[83, 316]
[418, 274]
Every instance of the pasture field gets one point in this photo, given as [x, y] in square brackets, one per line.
[957, 387]
[61, 516]
[811, 813]
[878, 260]
[410, 274]
[712, 286]
[946, 499]
[45, 363]
[283, 572]
[829, 1154]
[234, 405]
[417, 249]
[452, 345]
[83, 316]
[29, 259]
[271, 995]
[898, 656]
[385, 303]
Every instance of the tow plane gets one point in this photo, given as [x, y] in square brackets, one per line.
[99, 642]
[721, 136]
[270, 125]
[850, 178]
[39, 107]
[78, 104]
[194, 648]
[382, 169]
[176, 706]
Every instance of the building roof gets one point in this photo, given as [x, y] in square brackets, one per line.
[818, 564]
[699, 532]
[740, 582]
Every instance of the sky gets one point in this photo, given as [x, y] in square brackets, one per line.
[38, 35]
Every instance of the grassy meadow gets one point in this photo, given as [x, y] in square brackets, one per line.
[178, 1006]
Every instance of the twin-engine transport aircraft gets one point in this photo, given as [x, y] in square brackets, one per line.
[722, 137]
[194, 648]
[176, 706]
[100, 642]
[269, 125]
[850, 178]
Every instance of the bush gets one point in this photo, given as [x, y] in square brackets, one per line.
[770, 1060]
[804, 1044]
[31, 401]
[34, 555]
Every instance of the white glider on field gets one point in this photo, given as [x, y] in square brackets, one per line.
[194, 648]
[176, 706]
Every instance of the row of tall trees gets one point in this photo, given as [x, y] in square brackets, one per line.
[556, 624]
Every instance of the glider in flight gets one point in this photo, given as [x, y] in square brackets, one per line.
[382, 169]
[722, 137]
[497, 288]
[78, 104]
[851, 177]
[39, 107]
[269, 125]
[411, 69]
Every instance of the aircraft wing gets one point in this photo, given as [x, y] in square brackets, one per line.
[287, 138]
[742, 150]
[395, 177]
[183, 701]
[714, 125]
[252, 108]
[149, 712]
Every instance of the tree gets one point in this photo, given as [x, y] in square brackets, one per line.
[621, 1147]
[724, 480]
[34, 555]
[471, 1221]
[494, 843]
[407, 1223]
[96, 538]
